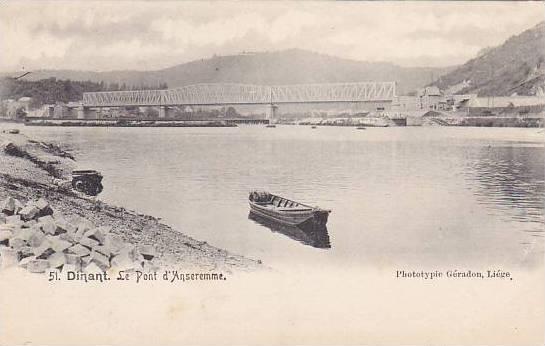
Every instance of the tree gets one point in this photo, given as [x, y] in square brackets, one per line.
[231, 112]
[151, 112]
[20, 113]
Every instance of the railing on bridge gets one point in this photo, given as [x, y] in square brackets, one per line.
[220, 94]
[213, 94]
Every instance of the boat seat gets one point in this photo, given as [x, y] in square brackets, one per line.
[294, 209]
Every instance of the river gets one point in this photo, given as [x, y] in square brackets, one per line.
[422, 196]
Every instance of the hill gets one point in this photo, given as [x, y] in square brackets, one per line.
[517, 66]
[292, 66]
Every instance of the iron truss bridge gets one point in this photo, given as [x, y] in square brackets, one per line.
[243, 94]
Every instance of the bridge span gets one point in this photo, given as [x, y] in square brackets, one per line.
[244, 94]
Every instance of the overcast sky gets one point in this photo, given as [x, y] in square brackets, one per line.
[152, 35]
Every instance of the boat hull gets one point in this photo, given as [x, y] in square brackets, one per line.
[313, 217]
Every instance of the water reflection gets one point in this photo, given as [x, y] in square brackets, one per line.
[511, 179]
[317, 237]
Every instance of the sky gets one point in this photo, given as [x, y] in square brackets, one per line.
[150, 35]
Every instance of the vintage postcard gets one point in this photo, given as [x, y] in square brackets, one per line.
[272, 173]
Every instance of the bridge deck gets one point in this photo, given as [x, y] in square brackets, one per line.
[233, 94]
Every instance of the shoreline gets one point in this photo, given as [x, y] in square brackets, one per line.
[465, 121]
[42, 171]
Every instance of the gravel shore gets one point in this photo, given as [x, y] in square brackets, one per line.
[42, 170]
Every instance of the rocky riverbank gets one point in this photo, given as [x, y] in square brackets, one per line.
[33, 172]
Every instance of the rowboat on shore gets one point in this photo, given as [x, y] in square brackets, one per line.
[87, 181]
[285, 211]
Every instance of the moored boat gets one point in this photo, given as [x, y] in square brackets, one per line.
[286, 211]
[87, 181]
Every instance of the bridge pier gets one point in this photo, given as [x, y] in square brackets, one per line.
[272, 113]
[164, 112]
[86, 113]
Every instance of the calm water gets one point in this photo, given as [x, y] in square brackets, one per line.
[421, 196]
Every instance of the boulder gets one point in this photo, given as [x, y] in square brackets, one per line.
[5, 234]
[56, 260]
[79, 250]
[114, 243]
[26, 251]
[105, 229]
[25, 261]
[88, 242]
[83, 225]
[43, 207]
[49, 227]
[57, 244]
[97, 234]
[41, 240]
[150, 267]
[93, 268]
[101, 260]
[102, 249]
[14, 220]
[73, 259]
[121, 261]
[37, 265]
[9, 227]
[10, 206]
[129, 250]
[36, 239]
[44, 250]
[29, 212]
[47, 218]
[148, 251]
[9, 257]
[29, 224]
[85, 260]
[124, 261]
[16, 243]
[23, 233]
[68, 237]
[78, 234]
[65, 226]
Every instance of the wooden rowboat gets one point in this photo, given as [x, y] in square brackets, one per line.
[285, 211]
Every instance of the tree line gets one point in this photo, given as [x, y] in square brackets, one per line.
[52, 90]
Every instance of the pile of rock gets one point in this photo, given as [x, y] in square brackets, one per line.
[35, 237]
